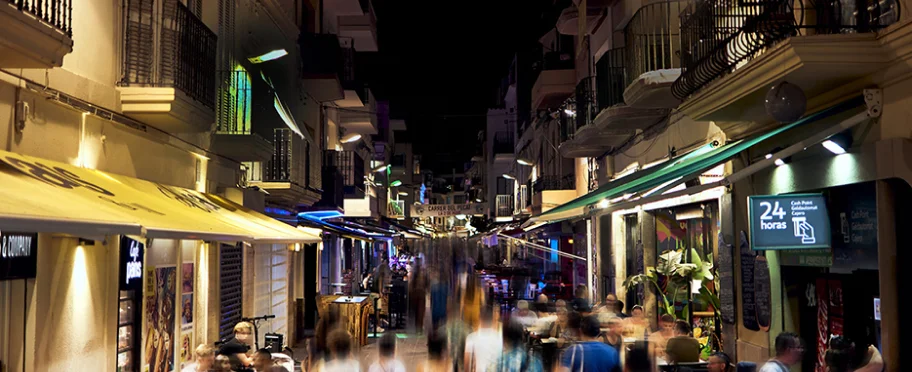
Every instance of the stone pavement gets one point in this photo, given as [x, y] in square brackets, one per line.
[411, 350]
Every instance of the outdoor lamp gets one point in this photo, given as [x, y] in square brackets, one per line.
[524, 161]
[838, 143]
[351, 137]
[403, 193]
[785, 102]
[396, 183]
[380, 168]
[570, 112]
[508, 176]
[268, 56]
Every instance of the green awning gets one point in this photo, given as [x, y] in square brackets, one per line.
[691, 164]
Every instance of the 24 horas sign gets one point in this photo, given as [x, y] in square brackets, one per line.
[444, 210]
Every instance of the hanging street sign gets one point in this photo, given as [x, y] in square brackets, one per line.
[444, 210]
[798, 221]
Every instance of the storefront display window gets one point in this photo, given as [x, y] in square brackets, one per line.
[127, 339]
[685, 262]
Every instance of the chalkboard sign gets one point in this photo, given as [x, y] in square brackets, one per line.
[748, 307]
[762, 292]
[796, 221]
[726, 282]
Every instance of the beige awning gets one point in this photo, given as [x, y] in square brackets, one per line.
[39, 195]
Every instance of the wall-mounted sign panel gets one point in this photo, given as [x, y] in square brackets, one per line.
[788, 222]
[442, 210]
[132, 253]
[18, 255]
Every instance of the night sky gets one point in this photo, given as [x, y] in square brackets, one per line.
[440, 65]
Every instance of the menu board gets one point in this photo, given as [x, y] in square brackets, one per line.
[794, 221]
[726, 282]
[855, 242]
[762, 293]
[748, 307]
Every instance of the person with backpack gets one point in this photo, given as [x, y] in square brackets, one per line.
[515, 357]
[590, 354]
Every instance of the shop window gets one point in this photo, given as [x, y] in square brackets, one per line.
[128, 331]
[230, 288]
[686, 235]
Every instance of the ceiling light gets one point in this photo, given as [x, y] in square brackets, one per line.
[523, 161]
[268, 56]
[509, 177]
[351, 137]
[396, 183]
[779, 162]
[570, 112]
[380, 168]
[403, 193]
[603, 204]
[833, 147]
[767, 156]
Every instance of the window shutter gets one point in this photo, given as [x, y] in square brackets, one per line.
[231, 264]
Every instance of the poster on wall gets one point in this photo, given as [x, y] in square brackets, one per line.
[160, 335]
[748, 306]
[186, 296]
[186, 351]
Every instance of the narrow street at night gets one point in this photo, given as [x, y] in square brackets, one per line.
[456, 186]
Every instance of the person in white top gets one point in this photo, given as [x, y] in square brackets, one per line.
[523, 315]
[789, 351]
[387, 361]
[341, 360]
[483, 346]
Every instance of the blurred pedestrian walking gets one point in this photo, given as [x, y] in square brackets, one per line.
[387, 361]
[590, 355]
[483, 346]
[515, 357]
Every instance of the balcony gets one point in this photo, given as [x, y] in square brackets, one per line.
[552, 191]
[322, 65]
[503, 208]
[653, 45]
[556, 72]
[233, 137]
[503, 147]
[35, 35]
[168, 67]
[287, 174]
[596, 120]
[361, 120]
[396, 209]
[361, 28]
[333, 196]
[740, 49]
[351, 166]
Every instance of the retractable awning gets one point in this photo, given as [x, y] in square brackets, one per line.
[652, 182]
[39, 195]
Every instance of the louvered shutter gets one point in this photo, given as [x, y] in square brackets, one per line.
[231, 266]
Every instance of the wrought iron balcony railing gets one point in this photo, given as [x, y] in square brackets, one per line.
[653, 39]
[290, 161]
[611, 78]
[503, 143]
[55, 13]
[168, 48]
[504, 206]
[718, 36]
[350, 164]
[586, 105]
[549, 183]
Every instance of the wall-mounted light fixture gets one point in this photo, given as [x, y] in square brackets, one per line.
[268, 56]
[351, 137]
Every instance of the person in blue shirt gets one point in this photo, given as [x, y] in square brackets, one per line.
[590, 355]
[515, 357]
